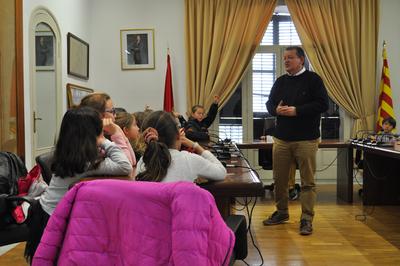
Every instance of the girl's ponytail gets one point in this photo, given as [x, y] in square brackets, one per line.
[157, 159]
[160, 132]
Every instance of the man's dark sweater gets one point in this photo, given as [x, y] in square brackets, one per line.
[308, 94]
[198, 131]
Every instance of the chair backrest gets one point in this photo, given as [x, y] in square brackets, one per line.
[44, 161]
[136, 223]
[11, 169]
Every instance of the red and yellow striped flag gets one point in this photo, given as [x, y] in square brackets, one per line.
[385, 108]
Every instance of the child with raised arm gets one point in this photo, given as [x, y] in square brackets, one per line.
[163, 161]
[196, 128]
[81, 151]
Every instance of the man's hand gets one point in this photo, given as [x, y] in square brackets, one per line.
[285, 110]
[216, 99]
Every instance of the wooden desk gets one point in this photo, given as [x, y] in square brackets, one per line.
[344, 184]
[239, 182]
[381, 170]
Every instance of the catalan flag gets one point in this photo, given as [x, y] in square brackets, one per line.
[385, 108]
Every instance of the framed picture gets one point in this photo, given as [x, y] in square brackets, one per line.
[75, 94]
[78, 57]
[44, 46]
[137, 49]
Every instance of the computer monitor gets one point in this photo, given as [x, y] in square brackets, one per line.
[263, 126]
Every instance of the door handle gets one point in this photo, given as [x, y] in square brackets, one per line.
[34, 121]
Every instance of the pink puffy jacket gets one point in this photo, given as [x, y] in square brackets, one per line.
[115, 222]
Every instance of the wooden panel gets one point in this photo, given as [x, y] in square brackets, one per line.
[20, 80]
[239, 182]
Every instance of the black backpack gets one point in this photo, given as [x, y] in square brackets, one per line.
[11, 169]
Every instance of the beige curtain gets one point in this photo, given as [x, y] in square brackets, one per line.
[340, 38]
[221, 38]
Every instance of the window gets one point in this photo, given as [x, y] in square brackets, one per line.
[230, 125]
[266, 67]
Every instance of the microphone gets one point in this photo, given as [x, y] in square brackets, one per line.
[364, 138]
[386, 139]
[221, 154]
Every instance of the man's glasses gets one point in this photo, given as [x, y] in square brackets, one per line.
[111, 111]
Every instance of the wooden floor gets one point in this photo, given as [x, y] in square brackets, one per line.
[343, 235]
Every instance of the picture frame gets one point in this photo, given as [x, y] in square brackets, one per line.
[137, 49]
[77, 57]
[75, 93]
[44, 50]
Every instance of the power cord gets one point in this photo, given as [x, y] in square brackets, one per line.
[250, 213]
[249, 217]
[366, 163]
[366, 212]
[363, 217]
[330, 164]
[242, 204]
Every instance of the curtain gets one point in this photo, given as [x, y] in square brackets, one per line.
[340, 39]
[221, 39]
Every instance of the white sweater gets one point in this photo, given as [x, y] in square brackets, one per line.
[186, 166]
[115, 163]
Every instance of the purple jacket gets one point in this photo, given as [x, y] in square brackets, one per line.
[115, 222]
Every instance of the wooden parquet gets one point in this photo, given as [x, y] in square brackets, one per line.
[340, 236]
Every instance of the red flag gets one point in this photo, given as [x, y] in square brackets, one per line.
[168, 94]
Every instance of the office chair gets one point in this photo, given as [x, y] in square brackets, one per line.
[265, 156]
[115, 222]
[44, 161]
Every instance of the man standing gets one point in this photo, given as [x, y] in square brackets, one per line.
[297, 99]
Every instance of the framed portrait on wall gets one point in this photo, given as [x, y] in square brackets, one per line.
[44, 46]
[137, 49]
[75, 93]
[77, 57]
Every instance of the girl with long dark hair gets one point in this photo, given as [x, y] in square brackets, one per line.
[81, 151]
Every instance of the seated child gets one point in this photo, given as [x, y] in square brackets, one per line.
[103, 103]
[386, 133]
[196, 128]
[388, 125]
[383, 136]
[138, 144]
[81, 150]
[127, 123]
[163, 162]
